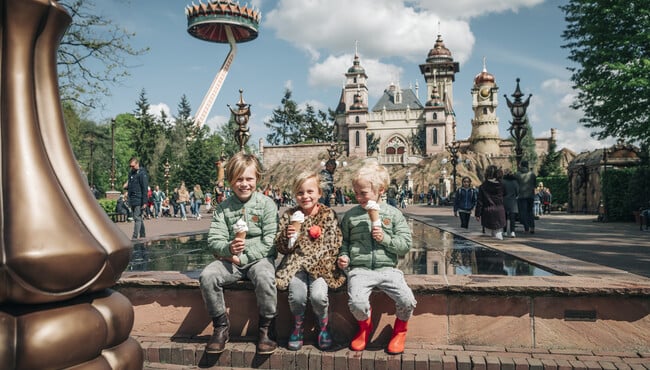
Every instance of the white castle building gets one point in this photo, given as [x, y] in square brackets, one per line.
[398, 119]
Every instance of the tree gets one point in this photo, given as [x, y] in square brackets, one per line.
[91, 55]
[146, 131]
[609, 42]
[316, 127]
[285, 122]
[372, 142]
[551, 163]
[418, 140]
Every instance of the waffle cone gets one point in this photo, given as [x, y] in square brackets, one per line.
[374, 215]
[296, 225]
[241, 235]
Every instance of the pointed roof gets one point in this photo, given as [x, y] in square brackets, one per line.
[387, 100]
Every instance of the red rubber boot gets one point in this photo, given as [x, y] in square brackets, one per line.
[397, 341]
[362, 338]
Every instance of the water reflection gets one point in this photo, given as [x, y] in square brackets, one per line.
[434, 252]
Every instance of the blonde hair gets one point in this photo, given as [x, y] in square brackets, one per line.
[303, 177]
[239, 163]
[376, 174]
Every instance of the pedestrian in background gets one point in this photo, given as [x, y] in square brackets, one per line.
[511, 192]
[137, 186]
[489, 205]
[527, 182]
[465, 201]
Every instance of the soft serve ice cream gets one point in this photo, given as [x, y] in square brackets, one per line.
[373, 211]
[296, 219]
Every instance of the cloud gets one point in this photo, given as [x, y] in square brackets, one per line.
[579, 140]
[155, 109]
[473, 8]
[215, 122]
[330, 73]
[383, 28]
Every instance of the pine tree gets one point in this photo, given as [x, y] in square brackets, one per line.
[551, 163]
[146, 131]
[285, 122]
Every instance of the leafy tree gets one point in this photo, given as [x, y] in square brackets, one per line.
[285, 122]
[609, 41]
[91, 56]
[372, 143]
[418, 140]
[551, 163]
[317, 127]
[146, 131]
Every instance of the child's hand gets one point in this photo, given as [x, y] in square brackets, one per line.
[377, 233]
[291, 231]
[237, 246]
[343, 262]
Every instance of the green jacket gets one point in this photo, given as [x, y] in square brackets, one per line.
[363, 250]
[261, 216]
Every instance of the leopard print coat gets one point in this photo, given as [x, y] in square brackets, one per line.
[317, 256]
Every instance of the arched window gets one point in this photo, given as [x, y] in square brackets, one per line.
[485, 110]
[357, 138]
[355, 80]
[435, 136]
[435, 115]
[356, 119]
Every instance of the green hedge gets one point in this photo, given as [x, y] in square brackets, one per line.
[625, 191]
[559, 187]
[108, 205]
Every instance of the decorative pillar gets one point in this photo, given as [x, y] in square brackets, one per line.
[56, 306]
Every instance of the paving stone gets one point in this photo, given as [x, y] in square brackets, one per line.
[463, 362]
[578, 365]
[563, 364]
[449, 362]
[421, 360]
[435, 361]
[521, 363]
[354, 360]
[302, 358]
[507, 363]
[592, 365]
[549, 364]
[622, 366]
[327, 360]
[492, 363]
[606, 365]
[535, 364]
[381, 361]
[368, 360]
[165, 352]
[478, 363]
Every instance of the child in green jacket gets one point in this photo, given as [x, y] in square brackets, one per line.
[374, 235]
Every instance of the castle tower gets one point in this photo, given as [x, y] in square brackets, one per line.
[435, 119]
[485, 124]
[353, 124]
[439, 72]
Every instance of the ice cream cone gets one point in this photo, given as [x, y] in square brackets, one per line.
[374, 215]
[296, 225]
[241, 235]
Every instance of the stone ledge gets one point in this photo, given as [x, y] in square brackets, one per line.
[437, 284]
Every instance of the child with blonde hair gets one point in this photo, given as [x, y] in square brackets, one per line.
[310, 239]
[374, 236]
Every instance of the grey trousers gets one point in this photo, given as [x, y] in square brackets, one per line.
[302, 287]
[220, 273]
[390, 281]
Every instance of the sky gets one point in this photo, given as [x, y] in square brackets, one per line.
[308, 45]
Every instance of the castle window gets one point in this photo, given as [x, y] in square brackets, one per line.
[357, 139]
[356, 119]
[485, 110]
[355, 80]
[435, 115]
[435, 136]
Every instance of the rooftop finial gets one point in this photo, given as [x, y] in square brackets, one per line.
[484, 64]
[356, 47]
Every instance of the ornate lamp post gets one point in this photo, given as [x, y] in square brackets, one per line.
[453, 151]
[241, 117]
[518, 124]
[167, 176]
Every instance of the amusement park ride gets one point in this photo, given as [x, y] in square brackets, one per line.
[221, 22]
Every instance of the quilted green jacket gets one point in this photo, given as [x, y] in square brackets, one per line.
[363, 250]
[261, 215]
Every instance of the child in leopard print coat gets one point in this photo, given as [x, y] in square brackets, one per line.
[310, 250]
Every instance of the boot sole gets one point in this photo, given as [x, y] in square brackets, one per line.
[266, 352]
[212, 351]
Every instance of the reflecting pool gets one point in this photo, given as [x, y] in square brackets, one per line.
[434, 252]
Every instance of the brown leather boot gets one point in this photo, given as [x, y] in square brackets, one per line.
[220, 335]
[266, 344]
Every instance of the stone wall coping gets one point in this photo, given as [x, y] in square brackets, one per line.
[439, 284]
